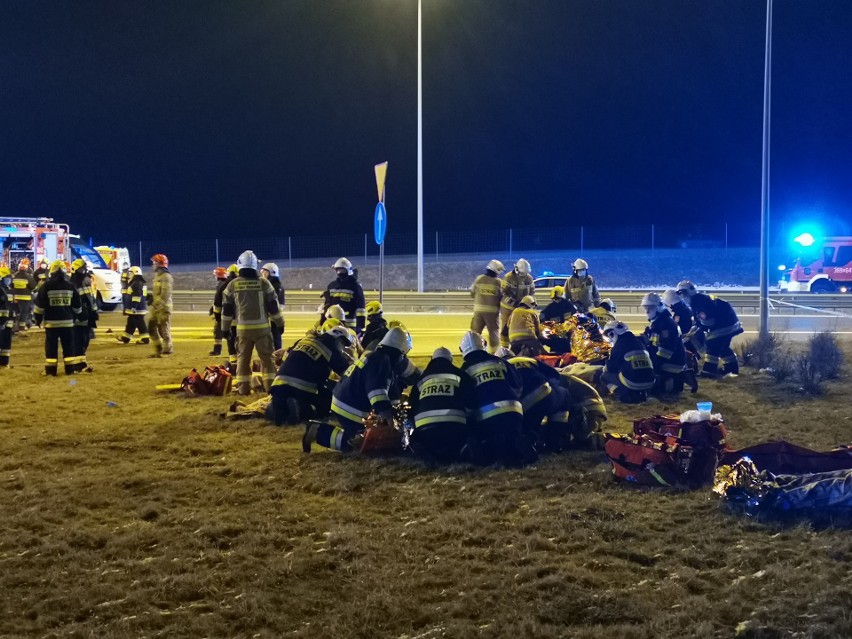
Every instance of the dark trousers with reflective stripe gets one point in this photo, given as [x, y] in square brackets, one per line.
[52, 339]
[311, 405]
[24, 316]
[439, 442]
[81, 345]
[5, 343]
[499, 439]
[134, 323]
[720, 355]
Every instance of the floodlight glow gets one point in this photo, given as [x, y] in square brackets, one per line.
[805, 239]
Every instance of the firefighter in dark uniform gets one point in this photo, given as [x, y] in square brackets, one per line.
[269, 271]
[693, 341]
[377, 326]
[497, 434]
[719, 321]
[88, 316]
[23, 284]
[7, 325]
[364, 388]
[57, 305]
[439, 402]
[301, 389]
[136, 309]
[125, 278]
[541, 396]
[585, 415]
[581, 287]
[560, 309]
[41, 272]
[347, 292]
[665, 347]
[232, 273]
[221, 274]
[629, 373]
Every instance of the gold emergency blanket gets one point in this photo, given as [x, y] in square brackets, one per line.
[587, 342]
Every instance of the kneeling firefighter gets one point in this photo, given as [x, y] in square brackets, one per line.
[629, 373]
[524, 329]
[665, 347]
[719, 321]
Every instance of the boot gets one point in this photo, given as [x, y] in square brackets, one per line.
[217, 350]
[144, 340]
[122, 339]
[310, 436]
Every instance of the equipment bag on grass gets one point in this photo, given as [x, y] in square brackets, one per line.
[642, 461]
[712, 433]
[194, 384]
[218, 380]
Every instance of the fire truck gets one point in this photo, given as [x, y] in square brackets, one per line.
[824, 267]
[38, 238]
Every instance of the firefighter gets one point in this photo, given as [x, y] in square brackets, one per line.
[586, 413]
[7, 323]
[269, 271]
[516, 286]
[377, 326]
[719, 321]
[232, 272]
[486, 293]
[249, 303]
[136, 309]
[439, 402]
[88, 317]
[629, 373]
[23, 284]
[301, 389]
[57, 305]
[125, 278]
[559, 309]
[605, 312]
[346, 292]
[692, 336]
[364, 388]
[581, 287]
[497, 432]
[665, 347]
[221, 275]
[524, 329]
[160, 310]
[41, 272]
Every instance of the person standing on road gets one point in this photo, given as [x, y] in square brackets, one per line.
[160, 311]
[269, 271]
[233, 272]
[346, 292]
[249, 303]
[516, 286]
[221, 275]
[7, 324]
[88, 316]
[57, 305]
[23, 284]
[136, 308]
[486, 292]
[581, 288]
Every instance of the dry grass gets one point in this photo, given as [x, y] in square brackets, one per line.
[158, 518]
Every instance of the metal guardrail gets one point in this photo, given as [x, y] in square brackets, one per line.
[461, 302]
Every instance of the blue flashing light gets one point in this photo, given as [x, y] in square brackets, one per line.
[782, 267]
[805, 239]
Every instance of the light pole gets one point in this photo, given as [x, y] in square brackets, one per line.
[420, 148]
[764, 194]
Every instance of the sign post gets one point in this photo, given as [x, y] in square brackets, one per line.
[380, 223]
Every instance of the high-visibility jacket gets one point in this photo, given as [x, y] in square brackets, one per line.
[630, 360]
[309, 362]
[558, 311]
[715, 316]
[536, 378]
[664, 344]
[161, 290]
[23, 284]
[57, 302]
[347, 292]
[486, 293]
[85, 289]
[250, 303]
[497, 386]
[583, 395]
[514, 288]
[524, 325]
[137, 293]
[442, 395]
[583, 292]
[366, 385]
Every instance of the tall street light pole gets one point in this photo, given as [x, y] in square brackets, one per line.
[764, 195]
[420, 148]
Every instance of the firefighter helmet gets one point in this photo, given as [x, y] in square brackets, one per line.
[397, 338]
[652, 304]
[247, 259]
[24, 264]
[160, 261]
[58, 265]
[580, 265]
[558, 292]
[608, 305]
[613, 329]
[496, 266]
[529, 301]
[522, 267]
[135, 270]
[336, 311]
[685, 287]
[271, 268]
[43, 262]
[397, 324]
[471, 342]
[443, 352]
[329, 324]
[4, 271]
[343, 263]
[340, 332]
[373, 308]
[220, 272]
[233, 268]
[78, 264]
[670, 297]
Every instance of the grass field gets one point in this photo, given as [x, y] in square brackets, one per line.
[157, 518]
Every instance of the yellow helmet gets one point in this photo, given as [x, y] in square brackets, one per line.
[233, 268]
[58, 265]
[135, 270]
[329, 324]
[373, 308]
[558, 292]
[4, 271]
[77, 264]
[397, 324]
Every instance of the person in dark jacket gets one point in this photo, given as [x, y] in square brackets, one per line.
[539, 397]
[720, 324]
[7, 321]
[377, 326]
[136, 308]
[270, 272]
[233, 273]
[560, 309]
[629, 373]
[57, 305]
[88, 317]
[662, 339]
[347, 292]
[439, 403]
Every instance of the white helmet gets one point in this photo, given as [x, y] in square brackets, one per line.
[496, 266]
[504, 353]
[442, 353]
[335, 312]
[580, 265]
[522, 267]
[613, 329]
[610, 305]
[247, 259]
[528, 300]
[343, 263]
[686, 287]
[471, 342]
[398, 339]
[271, 267]
[652, 304]
[670, 297]
[340, 332]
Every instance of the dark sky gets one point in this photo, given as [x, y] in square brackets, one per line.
[161, 119]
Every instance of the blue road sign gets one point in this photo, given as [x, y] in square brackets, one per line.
[380, 223]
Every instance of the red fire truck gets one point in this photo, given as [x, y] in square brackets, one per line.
[824, 267]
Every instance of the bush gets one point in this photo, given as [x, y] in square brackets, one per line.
[762, 351]
[783, 366]
[809, 375]
[826, 355]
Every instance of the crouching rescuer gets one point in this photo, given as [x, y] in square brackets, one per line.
[249, 303]
[629, 373]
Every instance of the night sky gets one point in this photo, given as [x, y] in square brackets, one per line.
[170, 118]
